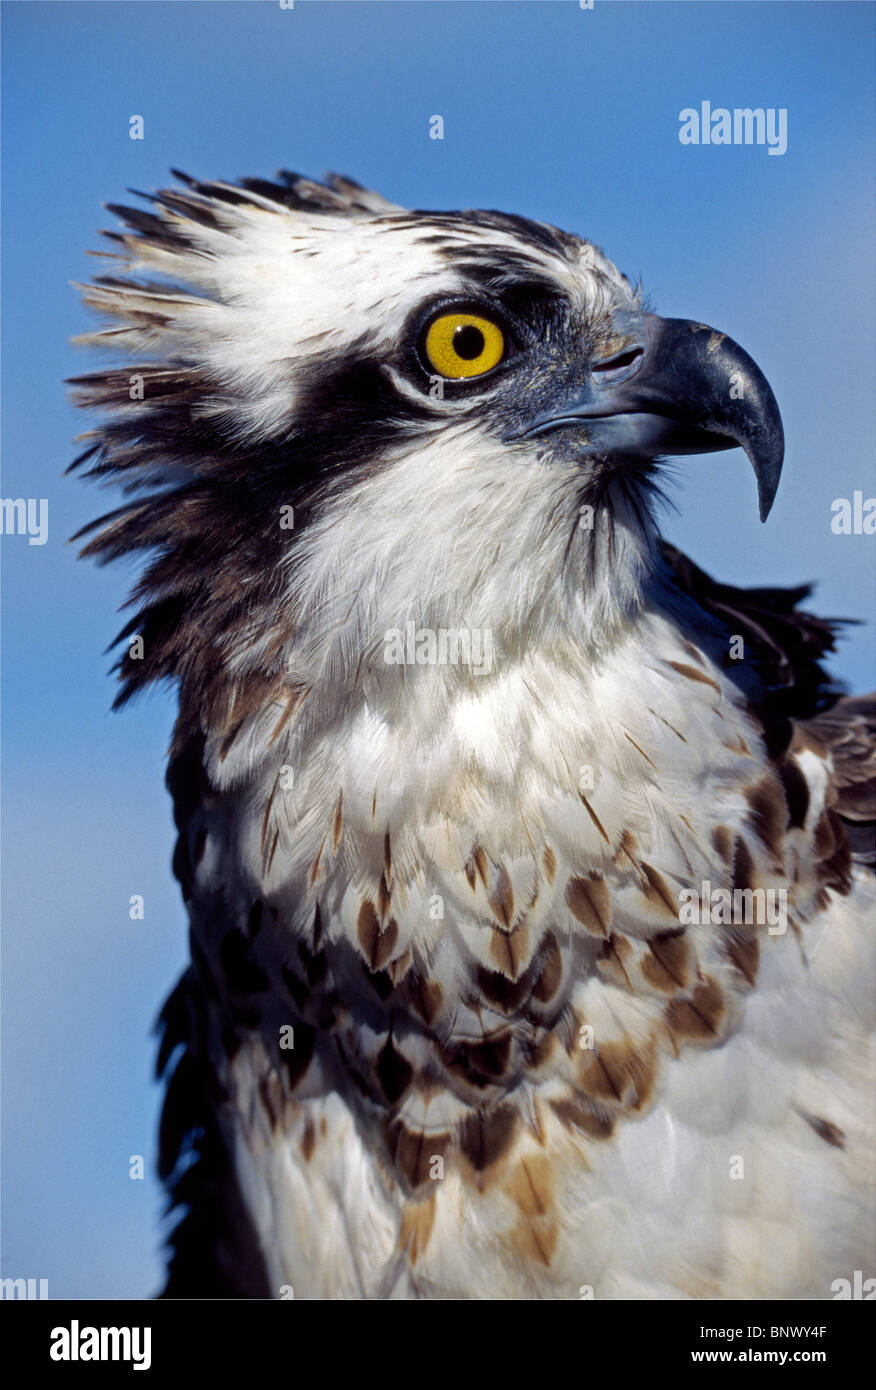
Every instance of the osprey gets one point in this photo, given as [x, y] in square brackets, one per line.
[525, 864]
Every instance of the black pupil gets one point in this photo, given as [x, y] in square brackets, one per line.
[468, 342]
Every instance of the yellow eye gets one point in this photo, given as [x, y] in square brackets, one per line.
[460, 345]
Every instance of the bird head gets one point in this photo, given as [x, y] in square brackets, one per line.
[342, 415]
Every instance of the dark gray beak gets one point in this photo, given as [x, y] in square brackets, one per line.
[668, 386]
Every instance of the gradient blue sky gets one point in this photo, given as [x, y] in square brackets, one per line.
[557, 113]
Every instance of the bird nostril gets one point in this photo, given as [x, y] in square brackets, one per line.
[622, 359]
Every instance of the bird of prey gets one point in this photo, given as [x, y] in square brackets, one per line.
[528, 868]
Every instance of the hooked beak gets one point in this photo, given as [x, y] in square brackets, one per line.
[669, 386]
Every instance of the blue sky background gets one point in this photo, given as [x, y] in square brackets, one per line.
[557, 113]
